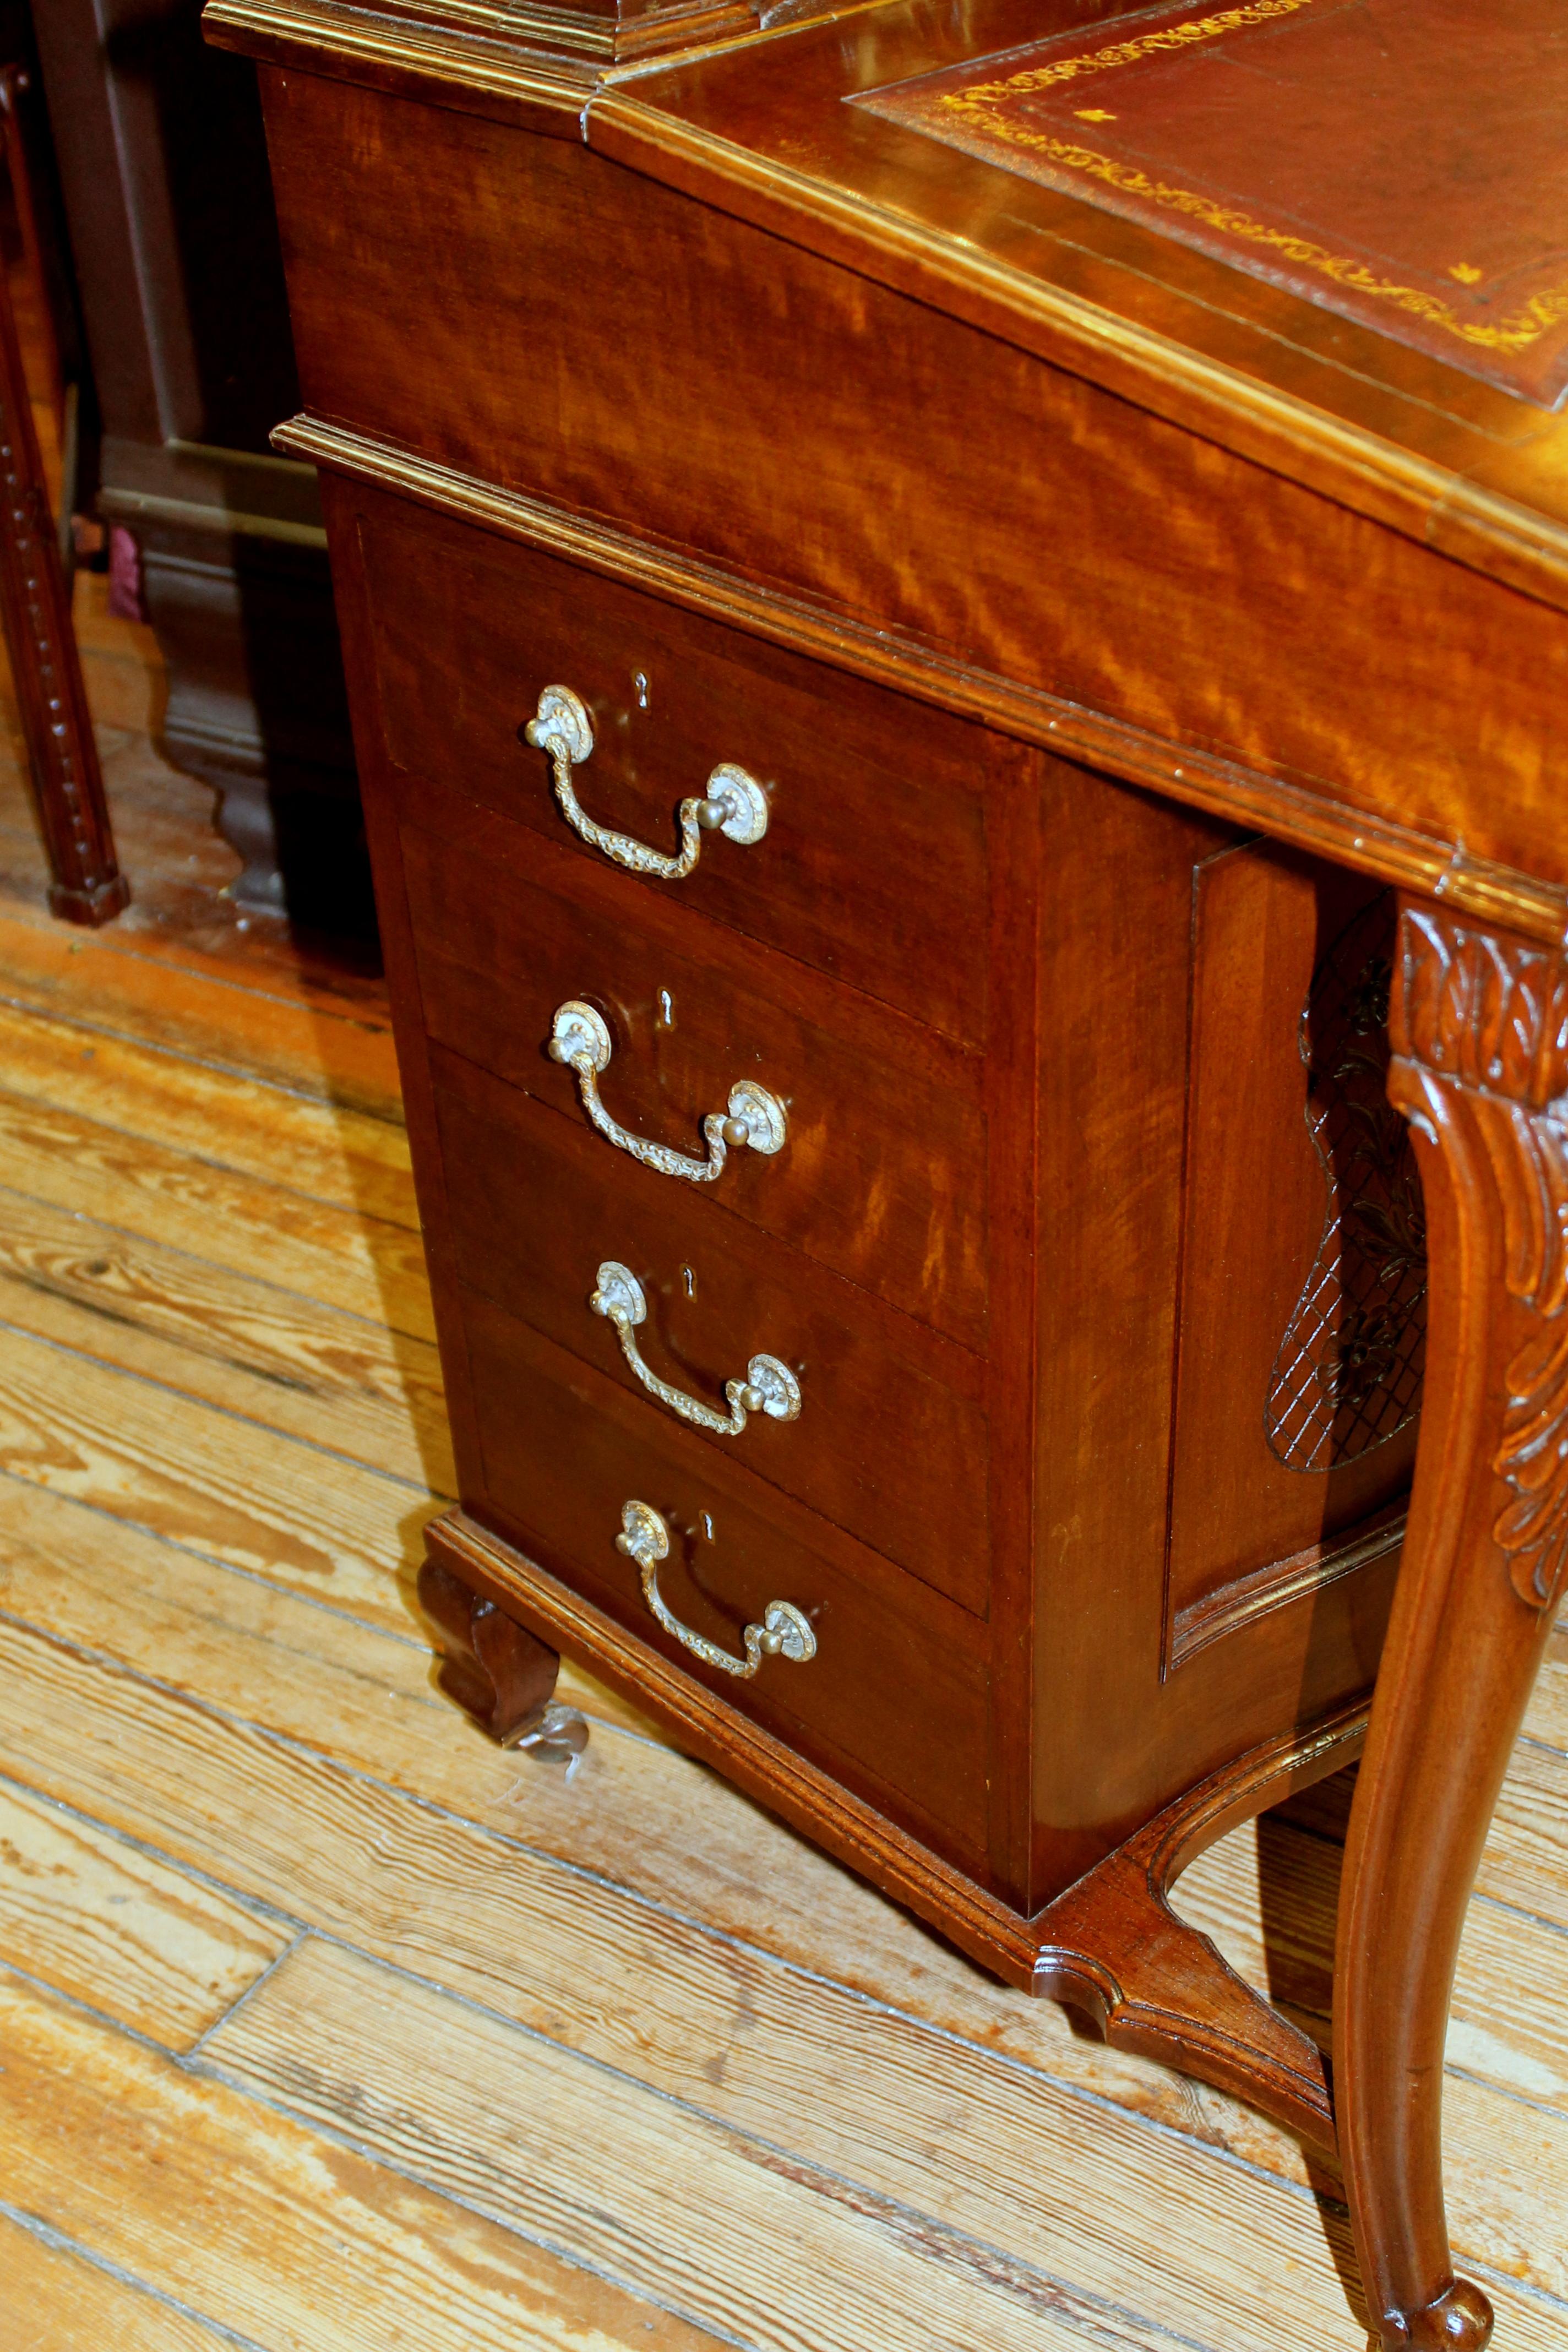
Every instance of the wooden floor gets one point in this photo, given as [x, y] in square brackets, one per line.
[328, 2029]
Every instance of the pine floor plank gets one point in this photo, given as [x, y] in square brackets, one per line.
[226, 1339]
[876, 2097]
[148, 1946]
[53, 2300]
[1546, 1718]
[365, 1697]
[654, 2192]
[363, 1265]
[264, 2226]
[224, 1022]
[333, 1682]
[513, 2125]
[1274, 1921]
[367, 1700]
[328, 1153]
[1526, 1858]
[228, 1489]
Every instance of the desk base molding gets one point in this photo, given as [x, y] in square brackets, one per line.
[1110, 1944]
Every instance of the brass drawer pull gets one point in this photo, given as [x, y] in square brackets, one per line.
[734, 804]
[769, 1386]
[785, 1632]
[579, 1038]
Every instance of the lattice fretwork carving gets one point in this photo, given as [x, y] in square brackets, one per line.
[1348, 1374]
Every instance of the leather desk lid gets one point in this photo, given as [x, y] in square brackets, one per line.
[1404, 163]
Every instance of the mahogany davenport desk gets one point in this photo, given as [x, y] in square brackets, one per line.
[949, 612]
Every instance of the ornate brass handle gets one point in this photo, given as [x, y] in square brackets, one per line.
[579, 1038]
[734, 804]
[785, 1632]
[769, 1386]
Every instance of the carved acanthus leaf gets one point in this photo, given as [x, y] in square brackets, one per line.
[1491, 1012]
[1491, 1015]
[1529, 1152]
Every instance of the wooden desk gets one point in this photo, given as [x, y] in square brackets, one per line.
[1053, 640]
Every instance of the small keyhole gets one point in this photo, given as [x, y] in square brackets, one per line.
[689, 1279]
[665, 1009]
[707, 1526]
[639, 688]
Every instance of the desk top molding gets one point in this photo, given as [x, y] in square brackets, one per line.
[1394, 434]
[1292, 810]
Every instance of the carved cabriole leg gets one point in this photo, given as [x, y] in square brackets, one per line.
[490, 1665]
[1479, 1028]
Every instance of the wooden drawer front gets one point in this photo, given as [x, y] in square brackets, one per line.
[882, 1175]
[884, 1445]
[873, 865]
[893, 1702]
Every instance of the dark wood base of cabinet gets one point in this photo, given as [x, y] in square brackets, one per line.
[1111, 1945]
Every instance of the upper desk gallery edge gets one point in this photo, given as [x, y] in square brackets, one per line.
[626, 330]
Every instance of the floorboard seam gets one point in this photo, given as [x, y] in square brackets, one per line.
[188, 2057]
[350, 1209]
[256, 1904]
[214, 1265]
[56, 2239]
[225, 1412]
[59, 1019]
[1090, 2315]
[1096, 2100]
[229, 1567]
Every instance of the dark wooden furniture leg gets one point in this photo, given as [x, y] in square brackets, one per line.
[1479, 1028]
[35, 607]
[501, 1674]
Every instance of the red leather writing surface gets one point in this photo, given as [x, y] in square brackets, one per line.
[1402, 161]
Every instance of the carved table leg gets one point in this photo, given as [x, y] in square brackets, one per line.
[490, 1665]
[34, 605]
[1479, 1027]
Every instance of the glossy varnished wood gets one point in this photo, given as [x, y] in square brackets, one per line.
[1042, 469]
[1478, 1030]
[882, 1172]
[1229, 609]
[88, 885]
[875, 852]
[872, 1381]
[582, 1995]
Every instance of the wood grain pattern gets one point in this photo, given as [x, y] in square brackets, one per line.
[818, 2069]
[535, 2137]
[258, 1027]
[882, 1176]
[235, 1491]
[53, 2300]
[226, 1339]
[1479, 1068]
[335, 1156]
[1123, 632]
[133, 1939]
[329, 1680]
[1380, 845]
[321, 1250]
[895, 1448]
[242, 1647]
[262, 2225]
[840, 771]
